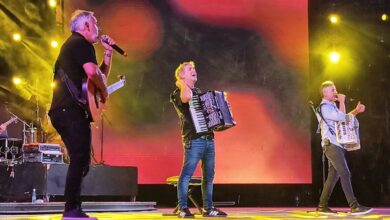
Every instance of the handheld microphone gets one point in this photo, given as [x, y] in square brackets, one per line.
[114, 46]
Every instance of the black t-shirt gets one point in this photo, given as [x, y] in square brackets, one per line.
[75, 52]
[188, 131]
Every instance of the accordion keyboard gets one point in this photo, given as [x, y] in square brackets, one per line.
[198, 117]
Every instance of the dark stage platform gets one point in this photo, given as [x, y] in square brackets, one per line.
[57, 207]
[18, 182]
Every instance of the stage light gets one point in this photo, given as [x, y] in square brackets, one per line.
[52, 84]
[17, 80]
[385, 17]
[17, 37]
[52, 3]
[334, 57]
[54, 44]
[333, 18]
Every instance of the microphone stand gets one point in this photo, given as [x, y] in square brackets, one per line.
[39, 131]
[323, 152]
[102, 117]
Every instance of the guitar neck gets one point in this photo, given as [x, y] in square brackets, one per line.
[115, 86]
[5, 124]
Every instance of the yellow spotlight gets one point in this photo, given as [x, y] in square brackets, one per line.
[333, 18]
[52, 3]
[334, 57]
[17, 37]
[17, 80]
[385, 17]
[52, 84]
[54, 43]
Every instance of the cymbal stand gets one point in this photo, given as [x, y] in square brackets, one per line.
[37, 112]
[13, 161]
[25, 124]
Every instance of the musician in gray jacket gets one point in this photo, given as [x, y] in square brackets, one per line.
[334, 151]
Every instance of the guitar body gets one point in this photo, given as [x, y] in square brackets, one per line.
[95, 106]
[92, 94]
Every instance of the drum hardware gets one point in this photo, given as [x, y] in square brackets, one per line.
[12, 150]
[13, 153]
[30, 133]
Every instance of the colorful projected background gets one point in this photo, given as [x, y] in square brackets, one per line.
[257, 51]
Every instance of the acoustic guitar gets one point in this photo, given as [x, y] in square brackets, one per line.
[92, 94]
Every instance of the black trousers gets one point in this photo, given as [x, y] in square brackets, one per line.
[73, 125]
[337, 169]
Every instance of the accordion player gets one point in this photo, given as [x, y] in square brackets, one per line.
[210, 111]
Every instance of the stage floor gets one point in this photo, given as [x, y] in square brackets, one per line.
[234, 213]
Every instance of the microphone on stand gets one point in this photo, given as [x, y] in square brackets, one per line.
[114, 46]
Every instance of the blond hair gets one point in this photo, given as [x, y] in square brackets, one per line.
[179, 69]
[324, 85]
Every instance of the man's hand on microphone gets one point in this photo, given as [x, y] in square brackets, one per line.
[341, 98]
[107, 42]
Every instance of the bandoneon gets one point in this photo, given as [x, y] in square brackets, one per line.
[347, 132]
[210, 111]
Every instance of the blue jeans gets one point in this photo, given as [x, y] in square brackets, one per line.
[337, 168]
[194, 151]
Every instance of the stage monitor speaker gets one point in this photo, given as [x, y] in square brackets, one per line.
[49, 179]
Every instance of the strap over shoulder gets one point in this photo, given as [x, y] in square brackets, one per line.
[74, 92]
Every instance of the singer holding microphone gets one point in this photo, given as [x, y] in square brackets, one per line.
[334, 151]
[77, 62]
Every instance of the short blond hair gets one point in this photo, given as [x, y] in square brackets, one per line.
[324, 85]
[179, 69]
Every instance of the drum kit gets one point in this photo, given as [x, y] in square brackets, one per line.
[11, 148]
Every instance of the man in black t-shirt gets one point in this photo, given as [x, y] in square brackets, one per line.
[77, 60]
[196, 146]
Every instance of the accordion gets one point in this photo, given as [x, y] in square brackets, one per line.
[347, 133]
[210, 111]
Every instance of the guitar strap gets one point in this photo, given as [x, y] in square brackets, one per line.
[323, 119]
[74, 92]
